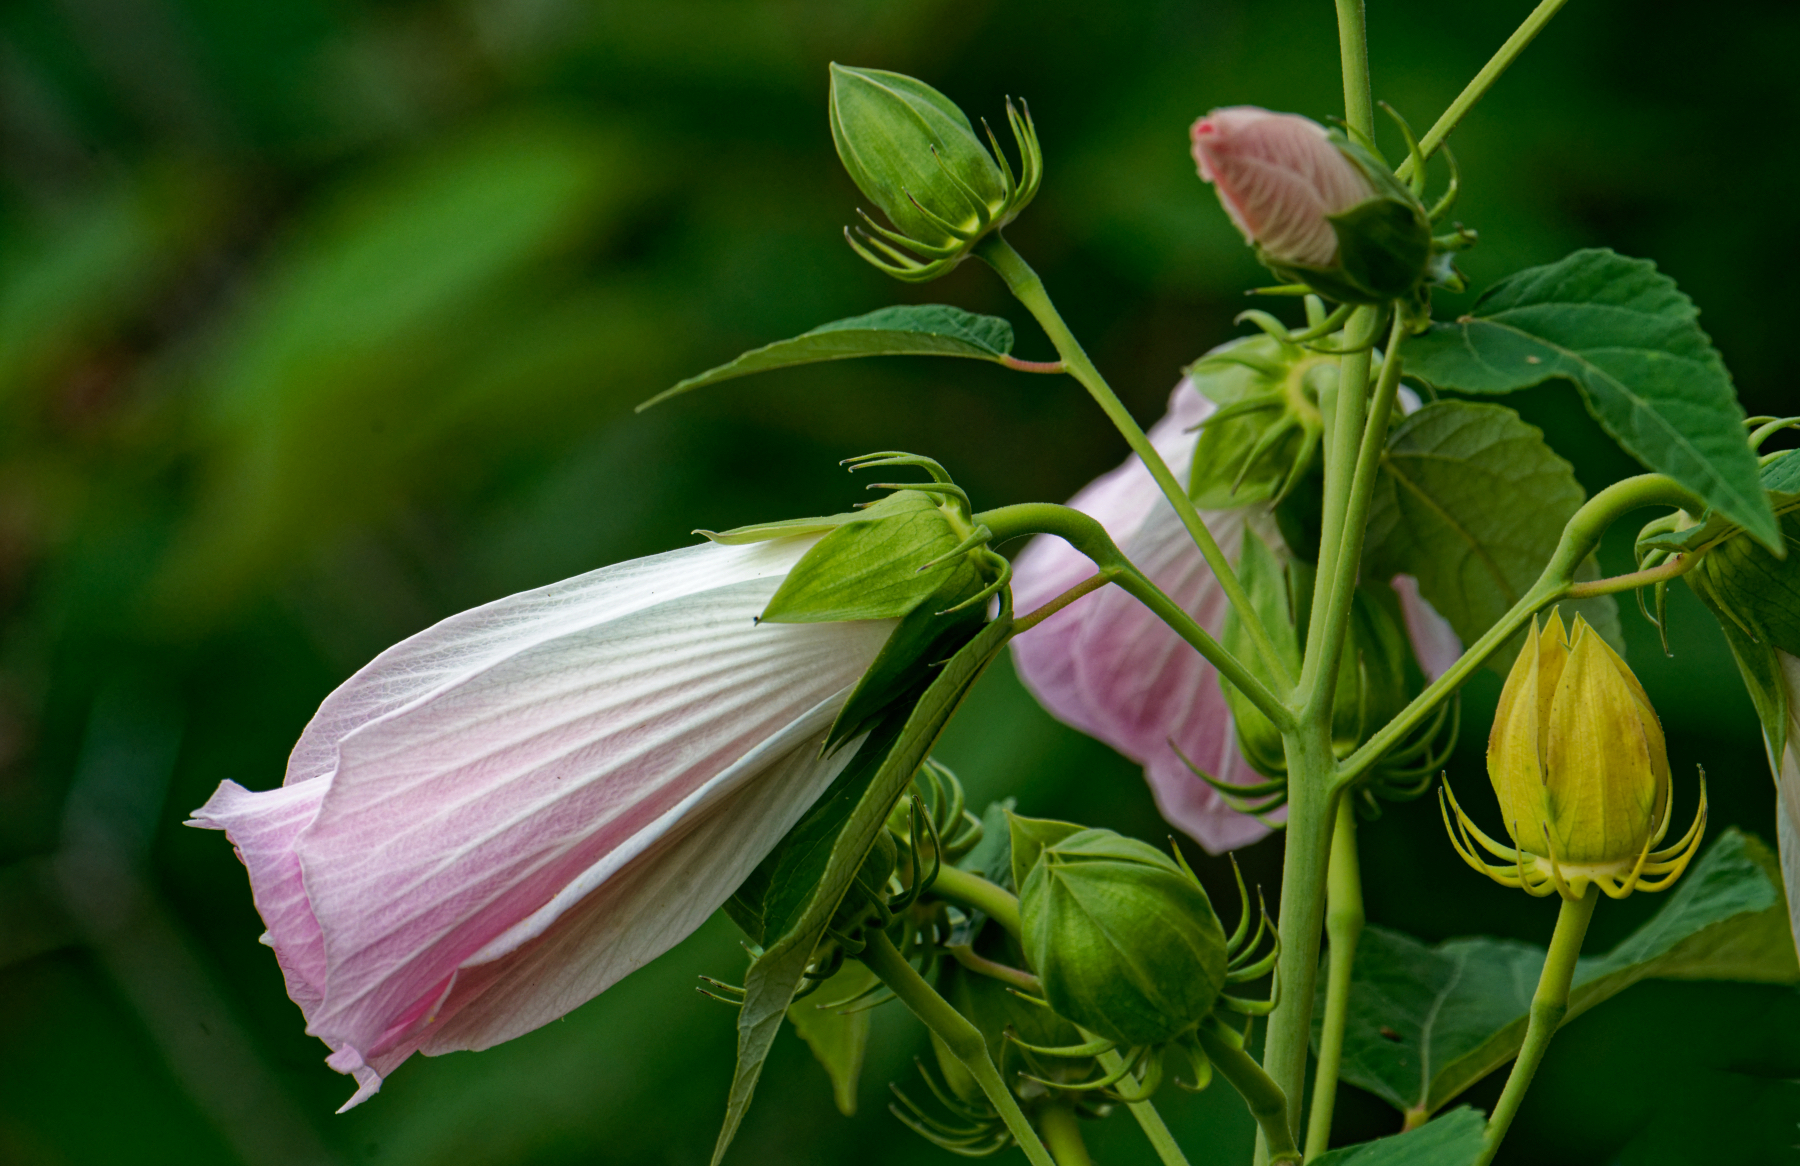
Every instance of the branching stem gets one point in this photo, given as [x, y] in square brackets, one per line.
[962, 1038]
[1028, 288]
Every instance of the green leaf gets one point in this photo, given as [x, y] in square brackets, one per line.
[837, 1035]
[786, 903]
[925, 637]
[1456, 1139]
[1027, 839]
[991, 858]
[1631, 341]
[1472, 502]
[1425, 1022]
[907, 330]
[870, 569]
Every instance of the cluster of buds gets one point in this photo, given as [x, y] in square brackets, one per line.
[912, 152]
[1578, 763]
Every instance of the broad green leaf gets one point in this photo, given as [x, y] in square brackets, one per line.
[1471, 502]
[907, 330]
[1631, 341]
[787, 901]
[1027, 839]
[871, 569]
[1425, 1022]
[837, 1032]
[1455, 1139]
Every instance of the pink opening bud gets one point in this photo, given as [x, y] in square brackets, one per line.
[1279, 176]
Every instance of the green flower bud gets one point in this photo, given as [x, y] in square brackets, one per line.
[1265, 433]
[1578, 763]
[1124, 940]
[913, 153]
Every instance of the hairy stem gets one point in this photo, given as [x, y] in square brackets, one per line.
[1061, 1128]
[1268, 1105]
[1549, 1004]
[1086, 535]
[1484, 80]
[1581, 534]
[963, 1039]
[1028, 289]
[1343, 927]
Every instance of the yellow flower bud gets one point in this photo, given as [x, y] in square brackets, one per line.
[1581, 771]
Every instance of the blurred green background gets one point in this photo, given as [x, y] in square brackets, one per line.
[321, 320]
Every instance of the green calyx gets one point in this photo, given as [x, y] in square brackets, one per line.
[916, 556]
[914, 154]
[1124, 940]
[1387, 252]
[1265, 434]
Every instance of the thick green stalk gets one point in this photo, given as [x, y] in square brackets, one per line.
[1308, 847]
[1062, 1134]
[1148, 1119]
[1549, 1004]
[1343, 927]
[1484, 80]
[1581, 534]
[1268, 1105]
[1028, 289]
[1086, 535]
[1325, 637]
[963, 1039]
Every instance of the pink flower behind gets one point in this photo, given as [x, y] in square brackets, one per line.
[1108, 667]
[1279, 176]
[502, 816]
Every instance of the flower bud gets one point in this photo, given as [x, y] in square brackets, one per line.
[912, 152]
[1318, 208]
[1576, 754]
[1581, 772]
[1124, 940]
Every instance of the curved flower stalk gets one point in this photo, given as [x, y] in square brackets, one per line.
[502, 816]
[1107, 666]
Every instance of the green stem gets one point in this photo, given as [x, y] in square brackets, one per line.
[1148, 1119]
[963, 1039]
[1325, 638]
[1353, 52]
[1343, 927]
[1028, 288]
[1549, 1004]
[1307, 849]
[1581, 534]
[971, 890]
[1268, 1103]
[1086, 535]
[1484, 80]
[1062, 1134]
